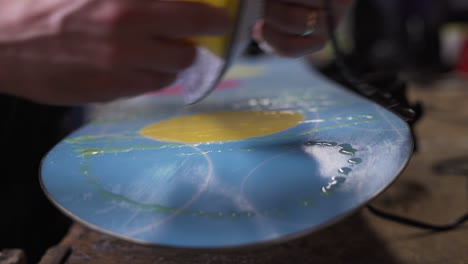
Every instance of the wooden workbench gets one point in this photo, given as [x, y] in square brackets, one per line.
[433, 188]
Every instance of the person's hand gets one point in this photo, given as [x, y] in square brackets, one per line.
[295, 28]
[79, 51]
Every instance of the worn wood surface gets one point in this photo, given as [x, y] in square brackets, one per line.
[56, 255]
[433, 188]
[12, 256]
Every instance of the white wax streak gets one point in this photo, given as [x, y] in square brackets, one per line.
[201, 77]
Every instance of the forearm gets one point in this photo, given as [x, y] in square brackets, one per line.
[26, 19]
[81, 51]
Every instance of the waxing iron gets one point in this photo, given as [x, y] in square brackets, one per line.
[216, 54]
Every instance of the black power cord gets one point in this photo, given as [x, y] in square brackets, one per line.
[373, 93]
[416, 223]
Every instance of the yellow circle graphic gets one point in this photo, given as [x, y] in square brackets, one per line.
[221, 126]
